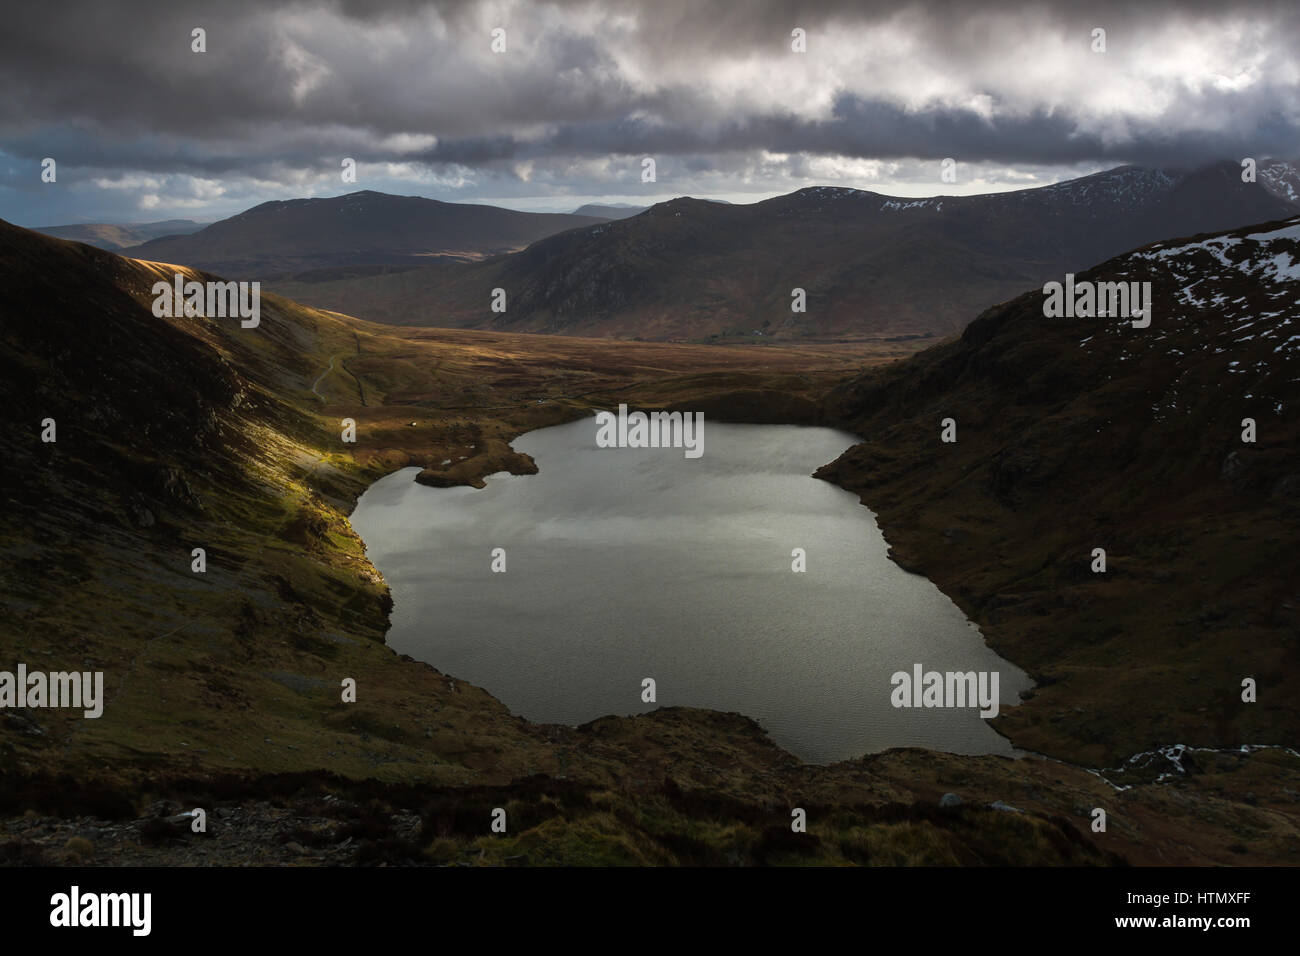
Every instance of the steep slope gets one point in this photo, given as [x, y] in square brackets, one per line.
[1083, 433]
[869, 264]
[171, 435]
[176, 434]
[359, 229]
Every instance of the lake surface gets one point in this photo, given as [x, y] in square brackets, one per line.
[628, 563]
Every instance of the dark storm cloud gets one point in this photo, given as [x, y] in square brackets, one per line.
[286, 89]
[874, 129]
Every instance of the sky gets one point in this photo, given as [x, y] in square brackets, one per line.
[142, 127]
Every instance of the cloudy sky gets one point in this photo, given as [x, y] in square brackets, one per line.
[144, 128]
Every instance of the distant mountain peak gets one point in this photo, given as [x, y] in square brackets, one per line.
[1129, 184]
[365, 228]
[118, 236]
[822, 192]
[619, 210]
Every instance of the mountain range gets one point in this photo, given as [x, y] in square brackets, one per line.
[117, 236]
[618, 210]
[869, 265]
[361, 229]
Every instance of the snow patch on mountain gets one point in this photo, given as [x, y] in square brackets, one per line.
[1281, 178]
[1125, 185]
[1231, 299]
[1254, 254]
[935, 204]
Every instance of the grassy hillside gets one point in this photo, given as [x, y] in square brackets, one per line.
[1083, 433]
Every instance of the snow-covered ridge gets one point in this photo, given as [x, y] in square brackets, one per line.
[830, 192]
[935, 204]
[1232, 300]
[822, 194]
[1259, 254]
[1282, 178]
[1127, 185]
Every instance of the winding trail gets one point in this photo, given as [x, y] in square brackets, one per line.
[322, 376]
